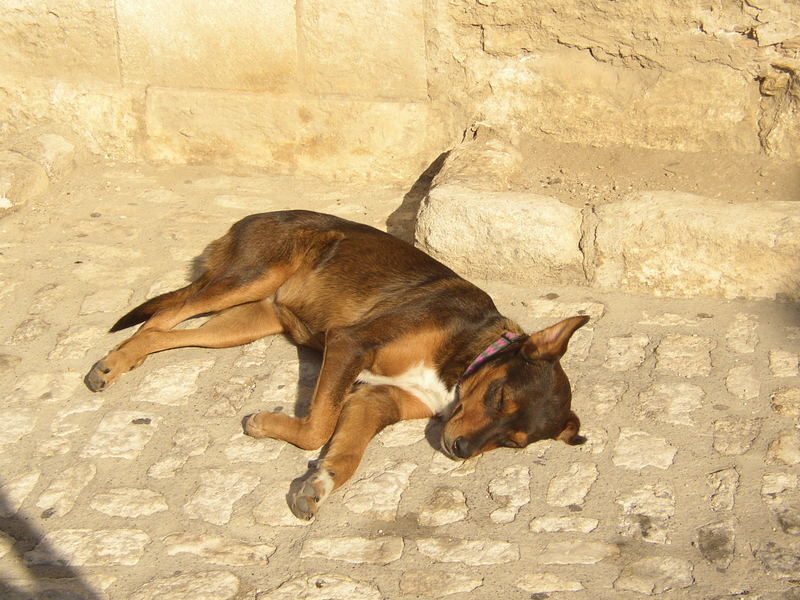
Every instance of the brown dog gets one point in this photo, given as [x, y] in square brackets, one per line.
[400, 334]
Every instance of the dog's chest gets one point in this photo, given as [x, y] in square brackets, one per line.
[420, 381]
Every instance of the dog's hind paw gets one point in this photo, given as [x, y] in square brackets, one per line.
[304, 502]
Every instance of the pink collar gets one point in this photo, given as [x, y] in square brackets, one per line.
[497, 346]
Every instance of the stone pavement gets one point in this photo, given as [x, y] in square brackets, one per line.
[686, 488]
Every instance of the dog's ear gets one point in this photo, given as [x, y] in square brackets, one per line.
[569, 434]
[551, 343]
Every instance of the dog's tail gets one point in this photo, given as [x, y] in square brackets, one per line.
[144, 311]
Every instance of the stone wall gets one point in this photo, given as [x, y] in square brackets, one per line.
[379, 88]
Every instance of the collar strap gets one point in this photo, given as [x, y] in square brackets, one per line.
[495, 348]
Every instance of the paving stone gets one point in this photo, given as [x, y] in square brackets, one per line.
[89, 548]
[273, 510]
[733, 437]
[785, 449]
[441, 465]
[786, 402]
[783, 363]
[717, 542]
[542, 308]
[15, 490]
[436, 584]
[723, 485]
[637, 450]
[566, 524]
[602, 397]
[60, 496]
[28, 330]
[218, 491]
[778, 560]
[48, 387]
[108, 300]
[76, 341]
[243, 448]
[512, 491]
[685, 355]
[228, 397]
[577, 553]
[172, 385]
[377, 492]
[671, 402]
[130, 503]
[469, 552]
[775, 487]
[788, 518]
[580, 344]
[546, 583]
[71, 420]
[47, 298]
[188, 441]
[446, 505]
[328, 586]
[17, 423]
[596, 440]
[668, 319]
[742, 334]
[571, 488]
[655, 575]
[647, 513]
[218, 550]
[207, 585]
[626, 353]
[404, 433]
[380, 550]
[121, 434]
[54, 447]
[742, 382]
[6, 544]
[8, 362]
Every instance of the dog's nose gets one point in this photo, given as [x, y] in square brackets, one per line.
[461, 447]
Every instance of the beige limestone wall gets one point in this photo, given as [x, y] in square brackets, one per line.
[378, 88]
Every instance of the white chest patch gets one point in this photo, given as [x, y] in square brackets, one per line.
[420, 381]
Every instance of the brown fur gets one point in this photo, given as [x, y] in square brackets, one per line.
[370, 302]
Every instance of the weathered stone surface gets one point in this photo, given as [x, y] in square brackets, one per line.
[110, 300]
[129, 502]
[742, 334]
[90, 548]
[121, 434]
[242, 448]
[375, 551]
[207, 585]
[404, 433]
[545, 583]
[534, 238]
[430, 584]
[172, 385]
[723, 485]
[601, 397]
[74, 342]
[218, 550]
[47, 387]
[441, 465]
[59, 498]
[15, 490]
[218, 491]
[17, 423]
[188, 441]
[671, 402]
[742, 382]
[28, 330]
[469, 552]
[655, 575]
[786, 402]
[273, 509]
[685, 355]
[733, 436]
[784, 363]
[377, 493]
[322, 587]
[577, 553]
[781, 561]
[716, 542]
[21, 180]
[512, 490]
[8, 362]
[637, 450]
[668, 319]
[556, 524]
[54, 152]
[789, 518]
[752, 252]
[626, 353]
[785, 449]
[446, 505]
[776, 487]
[647, 513]
[571, 488]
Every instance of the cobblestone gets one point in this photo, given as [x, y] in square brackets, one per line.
[687, 485]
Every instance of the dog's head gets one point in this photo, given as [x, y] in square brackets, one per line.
[519, 397]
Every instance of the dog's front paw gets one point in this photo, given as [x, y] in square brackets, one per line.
[304, 502]
[254, 425]
[99, 377]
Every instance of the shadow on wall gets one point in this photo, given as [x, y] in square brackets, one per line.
[53, 581]
[401, 222]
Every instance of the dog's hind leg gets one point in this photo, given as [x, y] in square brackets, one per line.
[366, 411]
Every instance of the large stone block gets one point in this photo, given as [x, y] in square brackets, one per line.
[368, 48]
[502, 235]
[229, 44]
[677, 244]
[21, 180]
[334, 138]
[68, 40]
